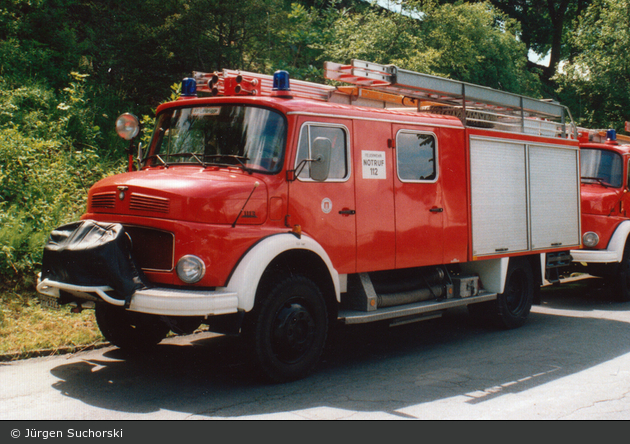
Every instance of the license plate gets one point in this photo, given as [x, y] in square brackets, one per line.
[49, 302]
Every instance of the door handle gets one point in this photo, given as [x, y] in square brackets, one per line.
[436, 210]
[347, 212]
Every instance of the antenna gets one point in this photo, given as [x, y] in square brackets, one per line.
[243, 207]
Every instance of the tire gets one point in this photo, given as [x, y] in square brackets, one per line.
[289, 329]
[515, 303]
[128, 330]
[512, 307]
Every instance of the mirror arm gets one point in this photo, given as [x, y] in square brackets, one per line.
[139, 158]
[293, 174]
[130, 155]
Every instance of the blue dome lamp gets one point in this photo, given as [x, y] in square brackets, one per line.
[189, 88]
[611, 136]
[281, 85]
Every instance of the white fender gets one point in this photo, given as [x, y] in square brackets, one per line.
[246, 276]
[492, 273]
[612, 253]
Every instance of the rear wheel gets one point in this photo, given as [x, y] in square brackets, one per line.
[289, 329]
[129, 330]
[514, 304]
[512, 307]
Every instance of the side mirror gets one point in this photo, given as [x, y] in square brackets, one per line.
[127, 126]
[320, 159]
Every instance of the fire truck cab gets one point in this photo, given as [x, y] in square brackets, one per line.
[605, 171]
[274, 208]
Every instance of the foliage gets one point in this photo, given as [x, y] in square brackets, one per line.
[546, 27]
[470, 42]
[48, 159]
[597, 79]
[478, 44]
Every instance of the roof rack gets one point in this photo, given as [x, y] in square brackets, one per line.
[475, 105]
[379, 85]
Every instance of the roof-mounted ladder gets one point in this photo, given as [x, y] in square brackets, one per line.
[475, 105]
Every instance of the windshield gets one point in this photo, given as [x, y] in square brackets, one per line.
[601, 166]
[249, 137]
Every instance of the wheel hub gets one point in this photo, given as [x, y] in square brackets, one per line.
[293, 333]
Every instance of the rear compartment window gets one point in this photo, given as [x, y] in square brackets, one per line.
[416, 156]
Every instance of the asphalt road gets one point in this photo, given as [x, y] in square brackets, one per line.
[570, 361]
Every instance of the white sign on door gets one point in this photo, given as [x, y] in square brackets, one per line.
[373, 164]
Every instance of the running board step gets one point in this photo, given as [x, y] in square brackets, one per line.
[363, 317]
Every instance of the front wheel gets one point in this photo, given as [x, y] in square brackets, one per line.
[129, 330]
[290, 328]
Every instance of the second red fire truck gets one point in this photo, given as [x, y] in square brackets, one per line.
[274, 208]
[605, 171]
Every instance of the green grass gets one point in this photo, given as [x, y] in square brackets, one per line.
[27, 328]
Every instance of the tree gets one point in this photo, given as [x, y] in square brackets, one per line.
[470, 42]
[545, 27]
[596, 81]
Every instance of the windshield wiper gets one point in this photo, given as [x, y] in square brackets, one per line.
[193, 155]
[238, 159]
[156, 156]
[600, 181]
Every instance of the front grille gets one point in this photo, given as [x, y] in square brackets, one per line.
[104, 200]
[152, 249]
[142, 202]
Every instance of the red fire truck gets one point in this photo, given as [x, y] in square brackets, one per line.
[274, 208]
[605, 170]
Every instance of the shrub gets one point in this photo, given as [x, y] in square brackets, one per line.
[49, 157]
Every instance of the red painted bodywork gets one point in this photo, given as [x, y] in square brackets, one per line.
[604, 208]
[392, 226]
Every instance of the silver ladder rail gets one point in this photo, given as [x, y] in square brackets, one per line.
[462, 96]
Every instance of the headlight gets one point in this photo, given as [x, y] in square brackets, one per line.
[190, 269]
[590, 239]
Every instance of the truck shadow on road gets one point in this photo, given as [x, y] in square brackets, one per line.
[367, 368]
[586, 294]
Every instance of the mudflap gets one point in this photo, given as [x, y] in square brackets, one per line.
[92, 253]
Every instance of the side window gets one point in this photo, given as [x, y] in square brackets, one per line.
[416, 156]
[339, 159]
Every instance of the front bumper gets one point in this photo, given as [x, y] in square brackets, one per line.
[157, 301]
[595, 256]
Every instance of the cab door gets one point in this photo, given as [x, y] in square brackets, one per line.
[418, 198]
[325, 210]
